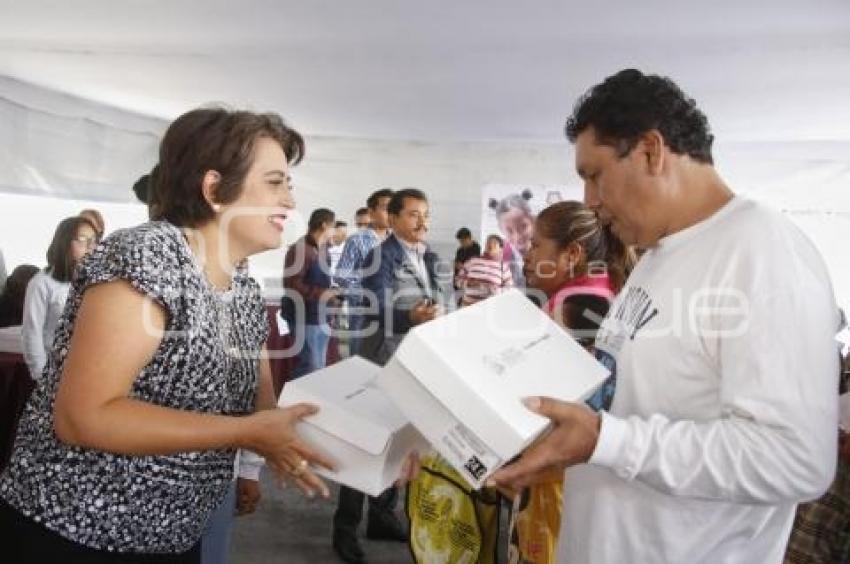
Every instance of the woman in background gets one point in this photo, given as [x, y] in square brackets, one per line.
[48, 290]
[577, 266]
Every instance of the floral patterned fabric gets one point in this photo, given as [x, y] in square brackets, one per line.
[206, 362]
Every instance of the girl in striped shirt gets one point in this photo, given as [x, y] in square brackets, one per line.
[484, 276]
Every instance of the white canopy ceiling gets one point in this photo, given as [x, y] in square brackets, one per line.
[478, 90]
[474, 70]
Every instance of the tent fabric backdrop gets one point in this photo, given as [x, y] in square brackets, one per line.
[53, 144]
[57, 145]
[810, 182]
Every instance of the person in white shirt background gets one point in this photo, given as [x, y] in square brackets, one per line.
[725, 413]
[48, 290]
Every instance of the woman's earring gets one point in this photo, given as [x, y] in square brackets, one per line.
[216, 208]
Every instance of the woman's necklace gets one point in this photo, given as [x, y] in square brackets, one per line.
[221, 299]
[224, 313]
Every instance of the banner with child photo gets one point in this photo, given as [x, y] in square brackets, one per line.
[508, 210]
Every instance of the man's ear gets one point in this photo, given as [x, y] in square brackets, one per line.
[652, 150]
[209, 187]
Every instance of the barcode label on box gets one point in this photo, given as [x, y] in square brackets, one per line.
[470, 453]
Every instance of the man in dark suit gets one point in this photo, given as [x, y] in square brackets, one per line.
[403, 290]
[403, 280]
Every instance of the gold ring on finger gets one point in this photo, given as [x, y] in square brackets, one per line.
[300, 468]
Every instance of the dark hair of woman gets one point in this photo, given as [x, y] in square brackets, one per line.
[60, 263]
[12, 297]
[211, 139]
[571, 222]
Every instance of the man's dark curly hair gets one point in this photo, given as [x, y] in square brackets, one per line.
[630, 103]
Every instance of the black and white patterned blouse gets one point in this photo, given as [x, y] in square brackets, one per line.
[206, 362]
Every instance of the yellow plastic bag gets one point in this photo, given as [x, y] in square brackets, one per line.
[449, 522]
[536, 522]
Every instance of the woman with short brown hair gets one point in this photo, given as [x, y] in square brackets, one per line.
[157, 374]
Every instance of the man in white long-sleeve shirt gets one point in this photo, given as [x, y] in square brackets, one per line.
[725, 412]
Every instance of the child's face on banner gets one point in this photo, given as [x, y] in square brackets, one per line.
[517, 227]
